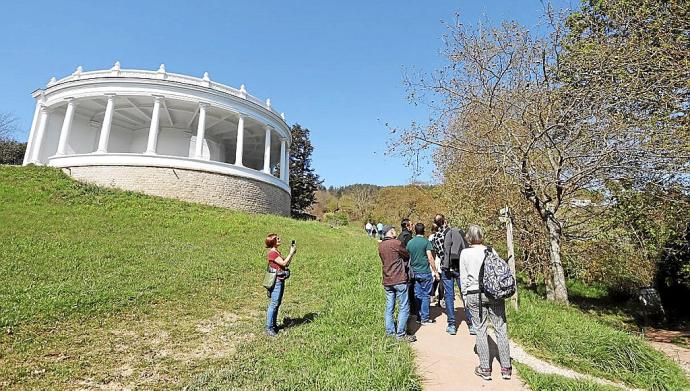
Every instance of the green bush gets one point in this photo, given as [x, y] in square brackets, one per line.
[12, 152]
[336, 219]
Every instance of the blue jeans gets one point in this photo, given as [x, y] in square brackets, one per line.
[422, 290]
[276, 299]
[398, 292]
[449, 279]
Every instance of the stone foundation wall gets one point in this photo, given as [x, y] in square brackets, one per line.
[194, 186]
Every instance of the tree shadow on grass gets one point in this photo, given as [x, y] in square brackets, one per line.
[624, 308]
[294, 322]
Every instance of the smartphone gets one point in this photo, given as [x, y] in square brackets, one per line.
[293, 242]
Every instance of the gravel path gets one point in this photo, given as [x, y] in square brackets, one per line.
[446, 362]
[519, 354]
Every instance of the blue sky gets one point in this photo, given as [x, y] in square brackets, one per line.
[334, 67]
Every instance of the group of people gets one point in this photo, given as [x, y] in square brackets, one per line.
[375, 230]
[414, 266]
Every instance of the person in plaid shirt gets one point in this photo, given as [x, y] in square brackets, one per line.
[449, 277]
[440, 235]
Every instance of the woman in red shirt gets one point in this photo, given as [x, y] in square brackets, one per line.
[278, 264]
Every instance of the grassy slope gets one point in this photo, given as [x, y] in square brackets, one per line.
[101, 287]
[568, 337]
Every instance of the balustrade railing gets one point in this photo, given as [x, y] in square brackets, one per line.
[161, 74]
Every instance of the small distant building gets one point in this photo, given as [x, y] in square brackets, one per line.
[164, 134]
[580, 203]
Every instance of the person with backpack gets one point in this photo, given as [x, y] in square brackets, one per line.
[448, 243]
[486, 282]
[278, 266]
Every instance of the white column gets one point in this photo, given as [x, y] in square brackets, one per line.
[32, 133]
[200, 131]
[267, 151]
[153, 130]
[287, 163]
[40, 135]
[283, 160]
[66, 127]
[240, 140]
[107, 124]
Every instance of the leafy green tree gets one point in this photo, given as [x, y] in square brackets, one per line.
[304, 182]
[630, 58]
[11, 151]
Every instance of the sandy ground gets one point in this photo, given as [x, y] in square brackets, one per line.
[447, 361]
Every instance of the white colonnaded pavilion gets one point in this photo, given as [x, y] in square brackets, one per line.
[164, 134]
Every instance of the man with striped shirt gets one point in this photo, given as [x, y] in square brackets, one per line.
[450, 274]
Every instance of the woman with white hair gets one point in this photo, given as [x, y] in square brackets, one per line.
[471, 260]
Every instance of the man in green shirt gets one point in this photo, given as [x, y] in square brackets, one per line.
[422, 263]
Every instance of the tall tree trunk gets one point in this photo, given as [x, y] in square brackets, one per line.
[560, 291]
[548, 282]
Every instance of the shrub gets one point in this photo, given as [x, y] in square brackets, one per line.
[12, 152]
[335, 218]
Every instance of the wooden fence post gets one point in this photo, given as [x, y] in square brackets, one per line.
[508, 220]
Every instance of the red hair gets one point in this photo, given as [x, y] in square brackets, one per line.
[271, 240]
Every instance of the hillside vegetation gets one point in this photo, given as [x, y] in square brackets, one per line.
[109, 289]
[102, 288]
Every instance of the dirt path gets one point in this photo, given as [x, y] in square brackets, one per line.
[678, 354]
[447, 361]
[662, 340]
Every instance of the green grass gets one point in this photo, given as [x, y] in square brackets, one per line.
[108, 288]
[102, 288]
[543, 382]
[566, 336]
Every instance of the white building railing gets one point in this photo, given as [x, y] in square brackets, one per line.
[161, 74]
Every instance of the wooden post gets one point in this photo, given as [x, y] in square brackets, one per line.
[508, 220]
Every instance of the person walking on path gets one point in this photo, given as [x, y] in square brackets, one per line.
[393, 258]
[471, 261]
[437, 288]
[368, 227]
[448, 243]
[425, 273]
[379, 230]
[279, 266]
[406, 232]
[404, 237]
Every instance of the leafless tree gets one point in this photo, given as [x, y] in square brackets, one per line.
[8, 125]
